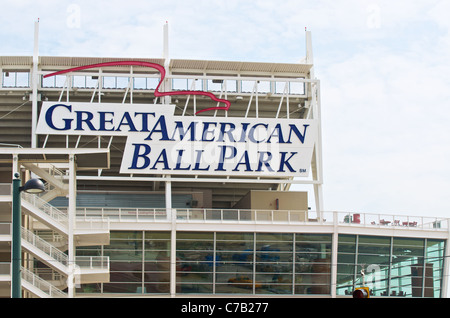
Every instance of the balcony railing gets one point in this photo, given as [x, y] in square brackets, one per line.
[123, 214]
[47, 208]
[41, 284]
[194, 215]
[92, 262]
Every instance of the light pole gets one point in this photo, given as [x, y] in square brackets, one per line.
[31, 186]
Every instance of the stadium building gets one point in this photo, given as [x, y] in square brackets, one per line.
[173, 178]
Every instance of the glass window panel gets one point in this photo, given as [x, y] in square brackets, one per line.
[157, 287]
[231, 86]
[125, 288]
[130, 255]
[157, 246]
[231, 236]
[345, 238]
[188, 288]
[273, 257]
[313, 238]
[91, 82]
[157, 266]
[263, 87]
[125, 276]
[281, 87]
[9, 79]
[157, 236]
[45, 82]
[179, 84]
[247, 86]
[152, 83]
[195, 236]
[109, 81]
[273, 267]
[95, 288]
[22, 79]
[194, 245]
[234, 246]
[312, 289]
[139, 83]
[195, 277]
[346, 258]
[214, 85]
[16, 79]
[236, 267]
[126, 235]
[274, 237]
[122, 82]
[194, 84]
[197, 256]
[243, 287]
[235, 257]
[375, 240]
[79, 81]
[60, 81]
[297, 88]
[406, 241]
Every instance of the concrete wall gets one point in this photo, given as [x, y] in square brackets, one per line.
[295, 202]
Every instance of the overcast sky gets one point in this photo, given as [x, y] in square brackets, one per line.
[384, 68]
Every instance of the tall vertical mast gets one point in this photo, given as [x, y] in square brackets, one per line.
[34, 83]
[167, 86]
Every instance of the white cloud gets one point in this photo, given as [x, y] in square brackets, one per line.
[383, 66]
[386, 113]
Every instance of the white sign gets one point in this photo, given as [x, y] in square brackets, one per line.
[158, 142]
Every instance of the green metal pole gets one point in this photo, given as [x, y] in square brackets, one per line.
[16, 284]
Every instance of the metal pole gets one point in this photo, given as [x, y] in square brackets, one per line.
[71, 218]
[34, 85]
[171, 216]
[16, 284]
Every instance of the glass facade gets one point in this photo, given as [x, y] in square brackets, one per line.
[248, 263]
[253, 263]
[392, 266]
[139, 263]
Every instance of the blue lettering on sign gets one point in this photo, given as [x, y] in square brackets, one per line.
[137, 154]
[49, 117]
[285, 162]
[157, 149]
[198, 161]
[243, 161]
[158, 129]
[103, 121]
[143, 152]
[223, 156]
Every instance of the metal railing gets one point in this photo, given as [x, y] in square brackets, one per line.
[41, 284]
[44, 246]
[395, 221]
[268, 217]
[99, 262]
[92, 223]
[44, 206]
[123, 214]
[242, 215]
[92, 262]
[239, 215]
